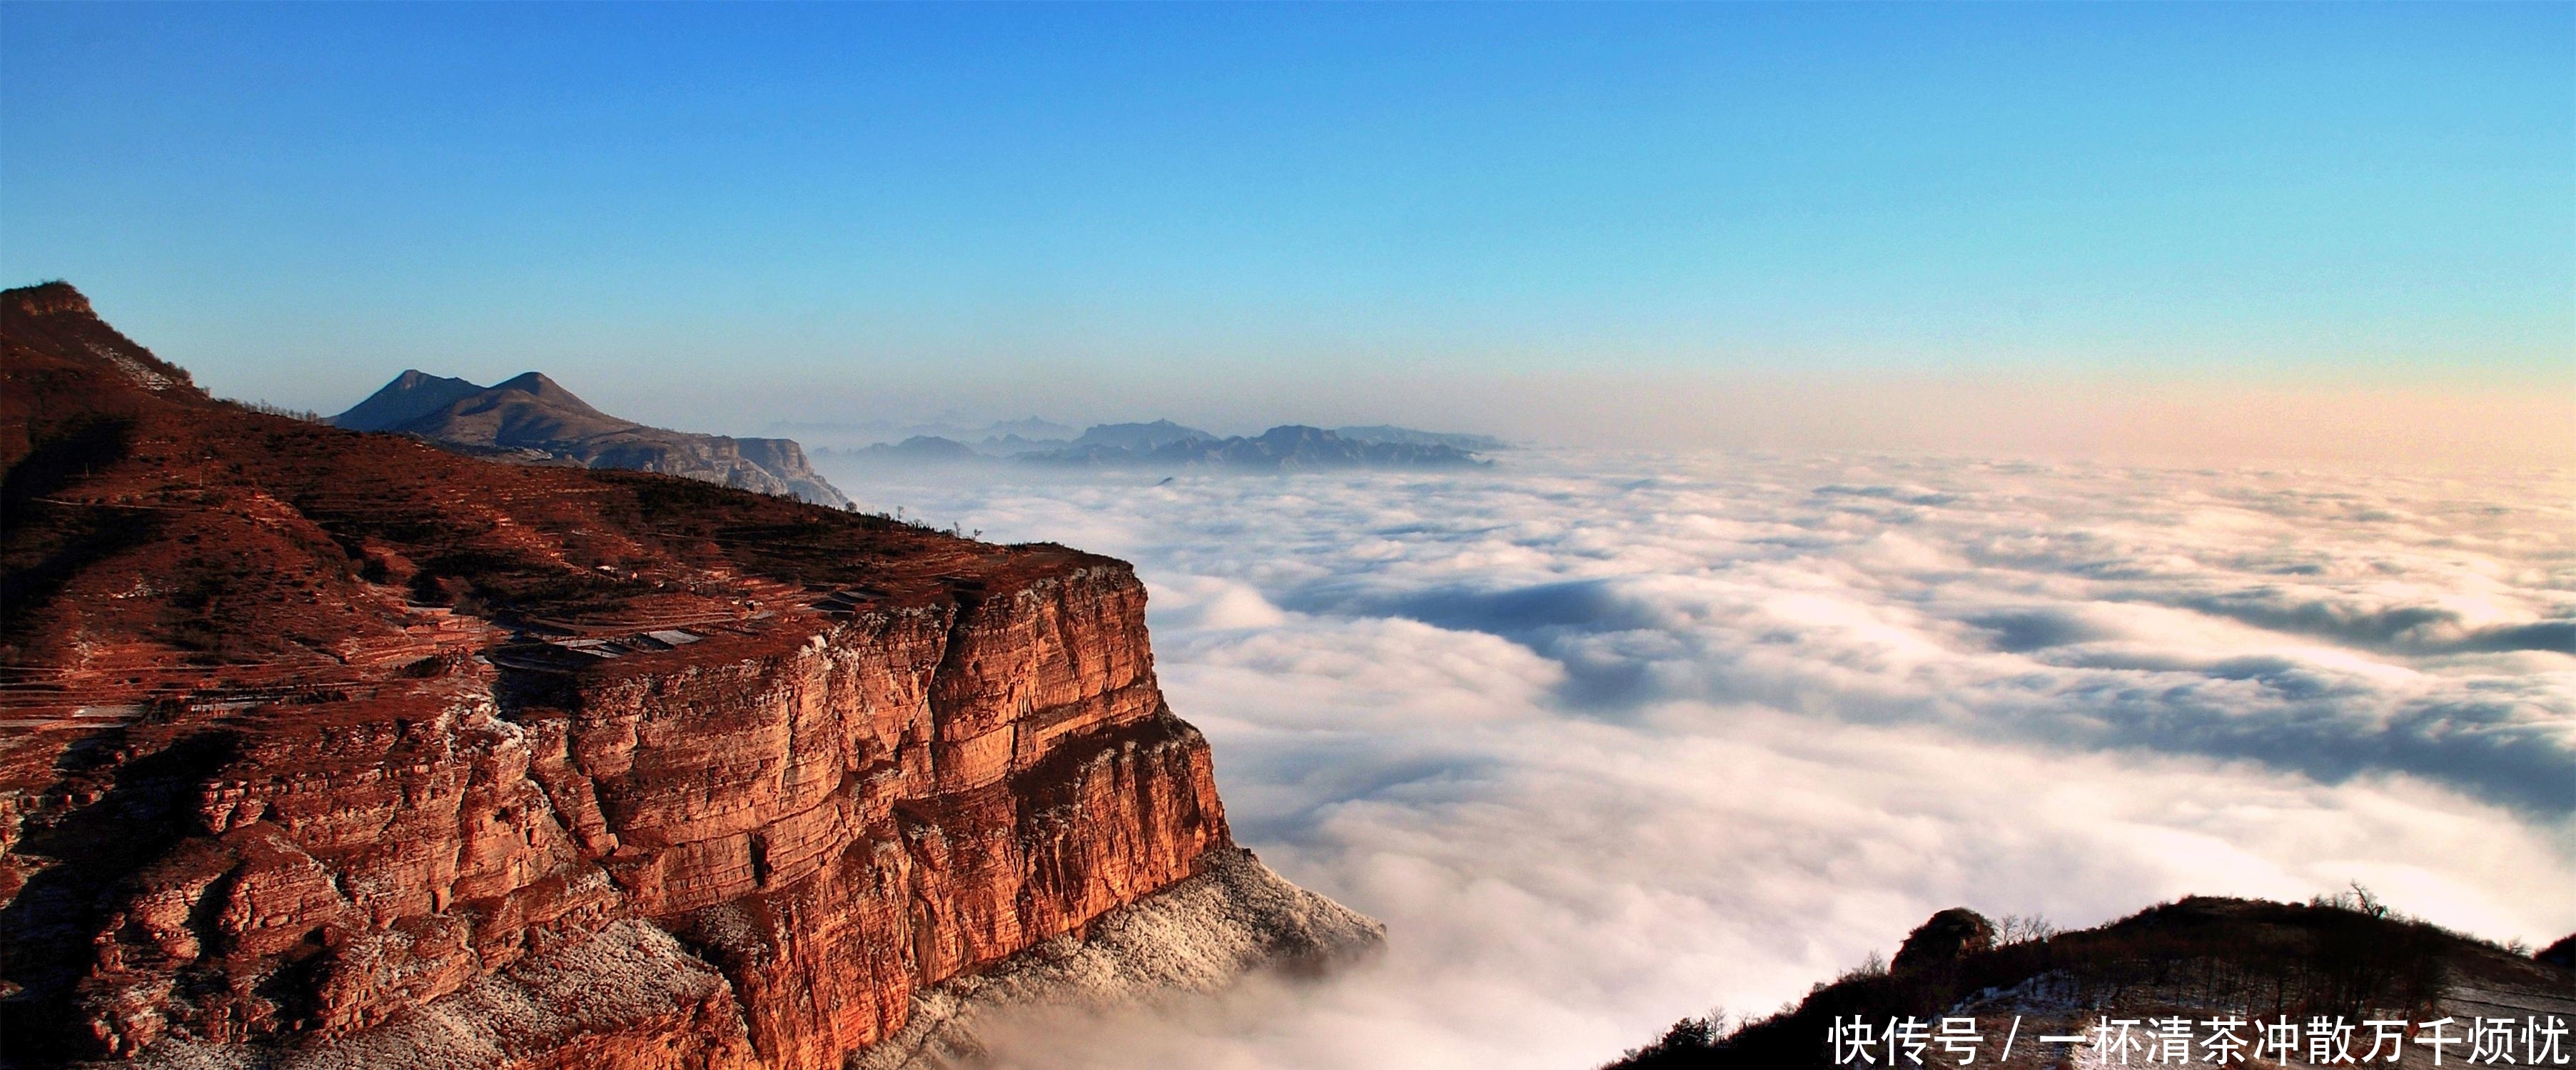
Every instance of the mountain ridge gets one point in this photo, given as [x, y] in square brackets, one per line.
[530, 417]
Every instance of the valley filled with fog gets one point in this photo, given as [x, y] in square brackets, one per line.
[1611, 738]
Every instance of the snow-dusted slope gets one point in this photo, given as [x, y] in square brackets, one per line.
[1196, 936]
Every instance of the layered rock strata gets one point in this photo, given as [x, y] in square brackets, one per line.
[329, 749]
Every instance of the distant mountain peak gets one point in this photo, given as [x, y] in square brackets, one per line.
[410, 396]
[534, 383]
[1140, 437]
[562, 404]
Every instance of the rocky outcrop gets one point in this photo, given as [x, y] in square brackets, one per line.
[1948, 936]
[533, 418]
[327, 749]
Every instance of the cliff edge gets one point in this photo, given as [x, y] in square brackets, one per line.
[328, 749]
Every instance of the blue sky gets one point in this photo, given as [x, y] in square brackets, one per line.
[796, 200]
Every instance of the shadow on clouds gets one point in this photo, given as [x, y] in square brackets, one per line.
[1621, 650]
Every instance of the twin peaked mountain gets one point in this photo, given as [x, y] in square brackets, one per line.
[532, 418]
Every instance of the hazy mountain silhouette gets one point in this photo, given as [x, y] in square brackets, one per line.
[1138, 437]
[1412, 437]
[921, 449]
[1286, 448]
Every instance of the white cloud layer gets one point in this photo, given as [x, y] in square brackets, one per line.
[1609, 738]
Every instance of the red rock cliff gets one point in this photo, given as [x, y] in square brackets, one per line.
[312, 740]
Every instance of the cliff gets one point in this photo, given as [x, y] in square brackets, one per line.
[533, 418]
[328, 749]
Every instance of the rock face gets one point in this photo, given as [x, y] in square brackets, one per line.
[532, 418]
[329, 749]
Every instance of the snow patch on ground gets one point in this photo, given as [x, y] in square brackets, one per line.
[628, 977]
[1195, 937]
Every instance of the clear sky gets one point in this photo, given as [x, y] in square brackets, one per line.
[721, 215]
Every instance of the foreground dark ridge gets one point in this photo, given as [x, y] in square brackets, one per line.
[325, 748]
[2201, 958]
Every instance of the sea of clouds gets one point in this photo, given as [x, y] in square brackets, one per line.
[1607, 738]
